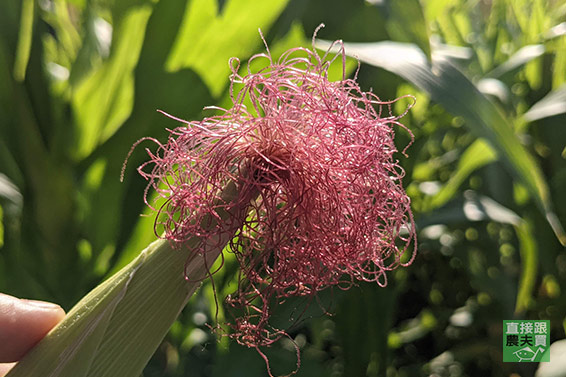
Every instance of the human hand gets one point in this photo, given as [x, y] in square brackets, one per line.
[23, 323]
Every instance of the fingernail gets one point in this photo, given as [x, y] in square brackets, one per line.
[41, 304]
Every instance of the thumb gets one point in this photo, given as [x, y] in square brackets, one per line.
[23, 323]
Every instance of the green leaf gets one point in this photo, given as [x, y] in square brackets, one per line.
[474, 157]
[529, 265]
[405, 22]
[368, 311]
[24, 40]
[62, 17]
[71, 348]
[114, 330]
[559, 64]
[141, 235]
[449, 87]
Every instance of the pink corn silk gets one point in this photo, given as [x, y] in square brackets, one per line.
[321, 201]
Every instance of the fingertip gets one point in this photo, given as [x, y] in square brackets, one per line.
[23, 323]
[5, 368]
[47, 311]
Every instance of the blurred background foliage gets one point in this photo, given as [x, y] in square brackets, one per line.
[81, 81]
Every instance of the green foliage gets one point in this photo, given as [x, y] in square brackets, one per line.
[82, 80]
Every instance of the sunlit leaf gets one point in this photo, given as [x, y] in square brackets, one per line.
[208, 39]
[471, 207]
[517, 60]
[180, 93]
[495, 88]
[10, 193]
[554, 103]
[103, 101]
[61, 17]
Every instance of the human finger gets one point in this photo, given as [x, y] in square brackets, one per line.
[23, 323]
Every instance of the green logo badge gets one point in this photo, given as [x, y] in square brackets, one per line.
[526, 341]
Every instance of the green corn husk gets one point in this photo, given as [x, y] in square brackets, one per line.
[116, 328]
